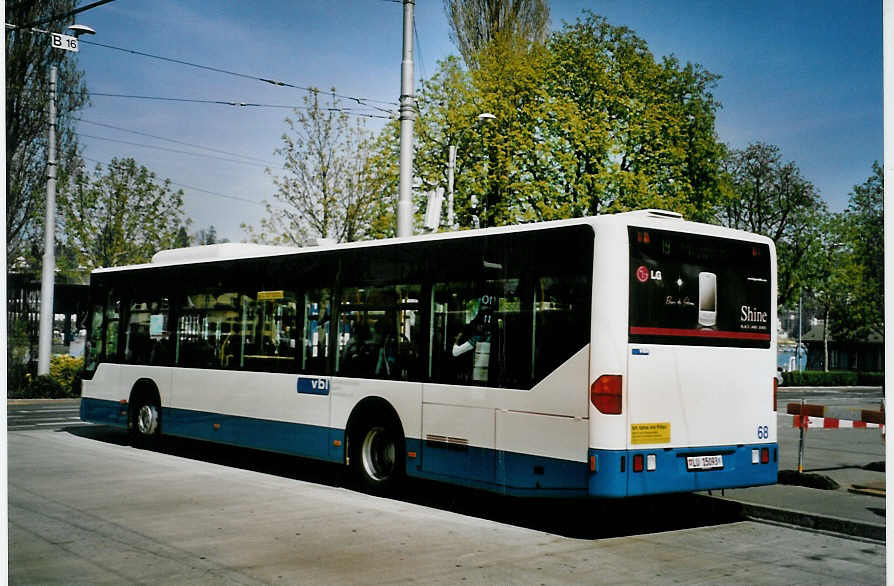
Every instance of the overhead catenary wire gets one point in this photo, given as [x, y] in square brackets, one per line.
[360, 100]
[193, 188]
[170, 150]
[364, 101]
[347, 111]
[171, 140]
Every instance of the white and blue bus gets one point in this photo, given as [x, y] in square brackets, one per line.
[608, 356]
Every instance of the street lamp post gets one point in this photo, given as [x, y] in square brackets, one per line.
[45, 339]
[47, 281]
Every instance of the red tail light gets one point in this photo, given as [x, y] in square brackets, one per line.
[765, 455]
[637, 462]
[605, 394]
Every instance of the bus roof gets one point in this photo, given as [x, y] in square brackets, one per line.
[234, 251]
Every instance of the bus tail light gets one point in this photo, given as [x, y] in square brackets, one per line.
[605, 394]
[637, 462]
[765, 455]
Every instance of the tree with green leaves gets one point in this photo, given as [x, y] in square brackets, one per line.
[120, 215]
[329, 188]
[858, 311]
[768, 196]
[587, 123]
[29, 58]
[475, 24]
[206, 236]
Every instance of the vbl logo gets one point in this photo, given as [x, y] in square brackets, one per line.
[313, 385]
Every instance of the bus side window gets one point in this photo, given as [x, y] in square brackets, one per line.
[94, 348]
[481, 334]
[378, 332]
[146, 335]
[112, 318]
[208, 334]
[315, 331]
[560, 302]
[269, 323]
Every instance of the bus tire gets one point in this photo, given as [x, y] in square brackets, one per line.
[145, 425]
[376, 450]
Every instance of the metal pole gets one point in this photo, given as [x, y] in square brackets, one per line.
[45, 339]
[800, 328]
[407, 117]
[802, 424]
[451, 166]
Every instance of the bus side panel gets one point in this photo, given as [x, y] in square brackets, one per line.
[458, 441]
[541, 451]
[563, 392]
[256, 410]
[101, 397]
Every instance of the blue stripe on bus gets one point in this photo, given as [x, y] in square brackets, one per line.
[104, 412]
[671, 475]
[499, 471]
[508, 473]
[298, 439]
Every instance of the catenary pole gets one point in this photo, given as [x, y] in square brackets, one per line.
[45, 340]
[407, 118]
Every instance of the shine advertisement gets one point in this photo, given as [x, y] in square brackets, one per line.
[697, 290]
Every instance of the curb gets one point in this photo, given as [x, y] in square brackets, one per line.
[807, 520]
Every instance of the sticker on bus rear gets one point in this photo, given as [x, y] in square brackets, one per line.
[650, 433]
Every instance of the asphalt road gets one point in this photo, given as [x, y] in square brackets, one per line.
[84, 507]
[43, 414]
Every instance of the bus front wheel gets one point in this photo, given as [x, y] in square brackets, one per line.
[145, 425]
[377, 457]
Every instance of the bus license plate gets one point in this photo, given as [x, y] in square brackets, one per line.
[704, 462]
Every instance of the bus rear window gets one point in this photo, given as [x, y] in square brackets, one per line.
[699, 290]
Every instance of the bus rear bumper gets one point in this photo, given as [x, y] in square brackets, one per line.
[612, 472]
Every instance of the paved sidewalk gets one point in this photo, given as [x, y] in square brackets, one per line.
[839, 511]
[856, 508]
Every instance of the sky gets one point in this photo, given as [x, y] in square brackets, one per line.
[805, 76]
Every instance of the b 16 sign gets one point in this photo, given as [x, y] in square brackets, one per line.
[59, 41]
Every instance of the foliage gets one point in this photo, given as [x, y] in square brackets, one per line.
[871, 379]
[767, 196]
[182, 240]
[64, 368]
[329, 190]
[18, 350]
[205, 237]
[858, 309]
[29, 58]
[121, 216]
[587, 123]
[818, 378]
[475, 24]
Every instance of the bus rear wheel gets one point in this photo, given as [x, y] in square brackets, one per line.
[377, 457]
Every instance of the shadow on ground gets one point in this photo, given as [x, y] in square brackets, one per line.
[576, 518]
